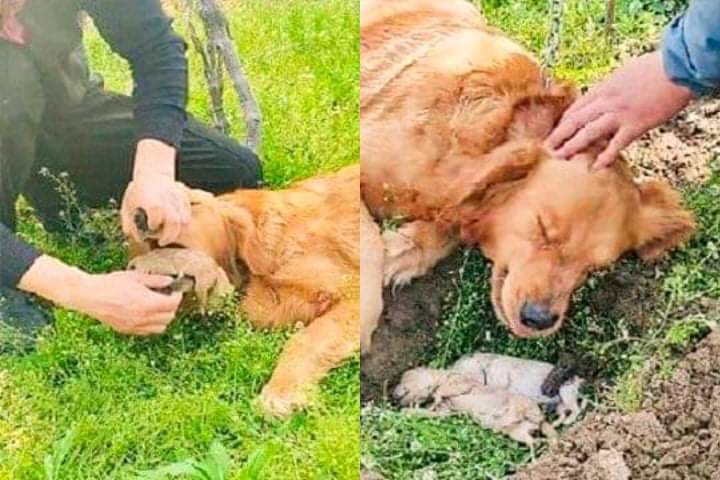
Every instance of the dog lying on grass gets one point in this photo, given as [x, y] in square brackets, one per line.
[294, 256]
[499, 392]
[453, 119]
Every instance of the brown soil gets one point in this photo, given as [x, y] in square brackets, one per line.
[406, 334]
[681, 150]
[629, 291]
[676, 436]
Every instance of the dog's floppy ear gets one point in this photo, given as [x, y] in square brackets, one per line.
[508, 163]
[663, 222]
[535, 116]
[249, 246]
[493, 180]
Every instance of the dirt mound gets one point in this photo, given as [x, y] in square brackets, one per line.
[682, 149]
[406, 335]
[675, 437]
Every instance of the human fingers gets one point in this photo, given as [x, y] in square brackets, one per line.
[620, 140]
[593, 131]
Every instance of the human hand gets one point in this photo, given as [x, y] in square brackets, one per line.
[634, 99]
[125, 302]
[155, 190]
[122, 300]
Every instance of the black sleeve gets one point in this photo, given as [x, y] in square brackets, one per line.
[139, 31]
[16, 258]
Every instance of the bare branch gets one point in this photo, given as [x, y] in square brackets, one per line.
[220, 42]
[610, 19]
[213, 71]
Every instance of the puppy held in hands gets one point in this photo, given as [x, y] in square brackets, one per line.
[193, 270]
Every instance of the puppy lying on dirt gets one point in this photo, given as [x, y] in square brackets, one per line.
[294, 255]
[492, 407]
[530, 378]
[502, 393]
[453, 121]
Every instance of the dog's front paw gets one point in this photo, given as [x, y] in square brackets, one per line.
[403, 259]
[282, 402]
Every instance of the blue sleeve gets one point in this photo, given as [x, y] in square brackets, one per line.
[691, 47]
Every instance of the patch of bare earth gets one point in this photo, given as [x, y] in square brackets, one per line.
[681, 150]
[406, 334]
[676, 435]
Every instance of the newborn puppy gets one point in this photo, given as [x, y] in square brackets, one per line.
[525, 377]
[492, 407]
[194, 271]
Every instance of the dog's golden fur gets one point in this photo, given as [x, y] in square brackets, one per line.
[453, 117]
[294, 253]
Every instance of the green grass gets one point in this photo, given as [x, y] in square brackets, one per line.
[89, 404]
[623, 351]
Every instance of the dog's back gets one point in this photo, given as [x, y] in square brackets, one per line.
[430, 70]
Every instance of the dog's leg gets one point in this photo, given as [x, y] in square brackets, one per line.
[267, 307]
[309, 355]
[522, 432]
[371, 278]
[412, 250]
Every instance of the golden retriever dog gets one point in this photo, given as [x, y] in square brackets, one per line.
[294, 255]
[453, 116]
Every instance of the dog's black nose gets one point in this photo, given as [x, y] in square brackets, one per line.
[537, 317]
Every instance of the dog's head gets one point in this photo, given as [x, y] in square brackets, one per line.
[551, 222]
[546, 223]
[224, 230]
[417, 386]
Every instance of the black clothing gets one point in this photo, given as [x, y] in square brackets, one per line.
[52, 115]
[137, 30]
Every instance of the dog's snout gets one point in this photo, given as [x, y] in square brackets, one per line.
[537, 316]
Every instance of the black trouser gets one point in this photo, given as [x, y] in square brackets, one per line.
[94, 143]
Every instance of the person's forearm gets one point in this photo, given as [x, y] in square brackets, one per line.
[122, 300]
[154, 157]
[142, 34]
[53, 280]
[691, 48]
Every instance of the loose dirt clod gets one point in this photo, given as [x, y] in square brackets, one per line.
[676, 435]
[366, 474]
[607, 465]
